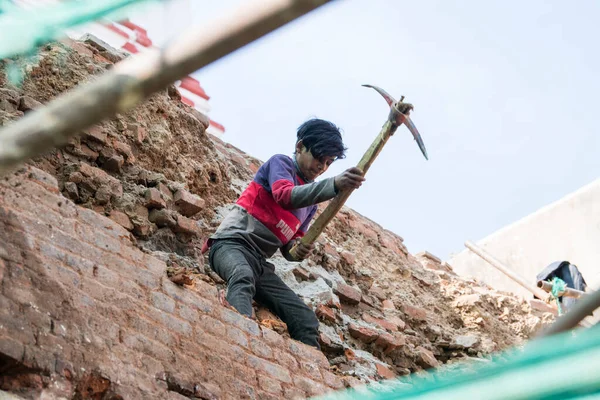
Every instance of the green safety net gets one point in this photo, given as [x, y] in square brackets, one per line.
[565, 366]
[30, 28]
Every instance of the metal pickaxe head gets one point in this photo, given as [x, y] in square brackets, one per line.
[399, 114]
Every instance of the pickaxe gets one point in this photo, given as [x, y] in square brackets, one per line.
[399, 112]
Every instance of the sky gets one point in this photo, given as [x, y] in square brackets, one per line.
[505, 95]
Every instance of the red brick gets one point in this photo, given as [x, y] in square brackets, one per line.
[237, 319]
[88, 153]
[396, 321]
[309, 386]
[96, 133]
[325, 313]
[308, 353]
[260, 348]
[384, 371]
[385, 324]
[154, 199]
[301, 273]
[272, 338]
[166, 192]
[329, 250]
[124, 150]
[150, 329]
[311, 370]
[388, 305]
[173, 323]
[42, 178]
[237, 336]
[426, 357]
[111, 160]
[348, 294]
[415, 312]
[269, 385]
[272, 370]
[163, 302]
[363, 333]
[241, 389]
[188, 204]
[293, 393]
[144, 231]
[348, 257]
[209, 324]
[286, 360]
[185, 225]
[390, 343]
[332, 380]
[121, 219]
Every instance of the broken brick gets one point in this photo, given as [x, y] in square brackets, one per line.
[121, 219]
[325, 313]
[163, 218]
[348, 257]
[144, 230]
[185, 225]
[103, 195]
[96, 133]
[390, 326]
[426, 358]
[187, 203]
[301, 274]
[124, 150]
[154, 199]
[348, 294]
[415, 312]
[111, 161]
[26, 103]
[166, 192]
[72, 191]
[396, 321]
[384, 371]
[388, 305]
[389, 342]
[364, 334]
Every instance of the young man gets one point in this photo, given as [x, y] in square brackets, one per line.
[273, 213]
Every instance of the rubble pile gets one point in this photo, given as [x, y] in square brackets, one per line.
[156, 172]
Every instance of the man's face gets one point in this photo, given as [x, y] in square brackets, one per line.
[311, 167]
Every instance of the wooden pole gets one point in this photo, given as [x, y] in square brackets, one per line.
[364, 164]
[569, 292]
[507, 271]
[136, 78]
[338, 202]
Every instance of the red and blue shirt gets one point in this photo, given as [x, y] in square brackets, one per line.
[276, 207]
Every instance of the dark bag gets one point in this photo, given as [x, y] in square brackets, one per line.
[567, 272]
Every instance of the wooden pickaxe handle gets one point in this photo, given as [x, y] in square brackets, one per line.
[398, 115]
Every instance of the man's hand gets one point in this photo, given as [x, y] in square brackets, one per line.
[302, 251]
[351, 178]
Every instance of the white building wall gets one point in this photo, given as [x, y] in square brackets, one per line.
[568, 229]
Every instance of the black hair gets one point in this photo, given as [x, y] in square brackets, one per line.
[322, 138]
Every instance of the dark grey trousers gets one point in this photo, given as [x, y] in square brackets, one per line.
[250, 276]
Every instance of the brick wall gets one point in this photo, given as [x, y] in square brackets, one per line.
[84, 313]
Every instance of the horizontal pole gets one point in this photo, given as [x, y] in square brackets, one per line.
[506, 271]
[568, 292]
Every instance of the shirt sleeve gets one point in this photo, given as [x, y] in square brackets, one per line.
[287, 194]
